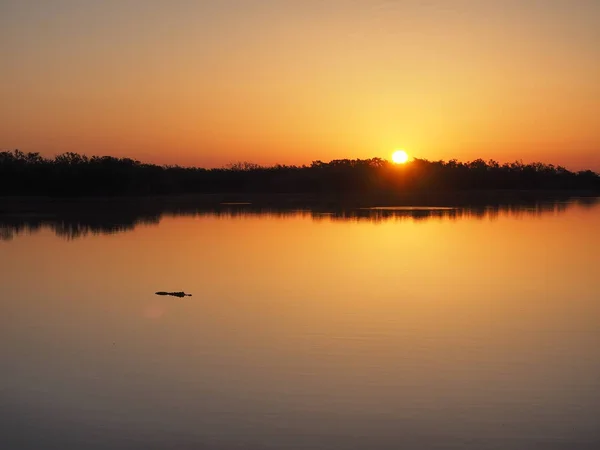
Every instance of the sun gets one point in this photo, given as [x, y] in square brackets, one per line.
[400, 157]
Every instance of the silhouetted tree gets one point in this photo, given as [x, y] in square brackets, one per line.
[72, 174]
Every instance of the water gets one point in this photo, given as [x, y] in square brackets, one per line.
[366, 329]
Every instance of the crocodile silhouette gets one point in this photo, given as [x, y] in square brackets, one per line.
[174, 294]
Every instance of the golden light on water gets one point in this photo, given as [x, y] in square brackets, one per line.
[400, 157]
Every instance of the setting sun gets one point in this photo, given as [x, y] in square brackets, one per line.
[400, 157]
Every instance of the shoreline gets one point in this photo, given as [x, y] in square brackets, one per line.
[15, 204]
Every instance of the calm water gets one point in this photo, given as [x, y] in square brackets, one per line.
[382, 329]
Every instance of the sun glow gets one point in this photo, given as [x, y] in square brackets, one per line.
[400, 157]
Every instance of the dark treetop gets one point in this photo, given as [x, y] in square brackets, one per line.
[74, 175]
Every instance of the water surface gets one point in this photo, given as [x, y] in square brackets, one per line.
[365, 329]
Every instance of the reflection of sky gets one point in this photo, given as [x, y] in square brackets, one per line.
[343, 332]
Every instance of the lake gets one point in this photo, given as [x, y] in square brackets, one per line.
[384, 328]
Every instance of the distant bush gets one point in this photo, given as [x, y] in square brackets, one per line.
[72, 174]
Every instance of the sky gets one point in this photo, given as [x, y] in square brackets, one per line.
[208, 83]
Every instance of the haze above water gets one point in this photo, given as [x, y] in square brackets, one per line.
[426, 329]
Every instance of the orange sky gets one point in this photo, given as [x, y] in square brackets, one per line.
[275, 81]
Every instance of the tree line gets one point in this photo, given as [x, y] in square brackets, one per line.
[71, 174]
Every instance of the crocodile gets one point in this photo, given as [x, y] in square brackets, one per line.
[174, 294]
